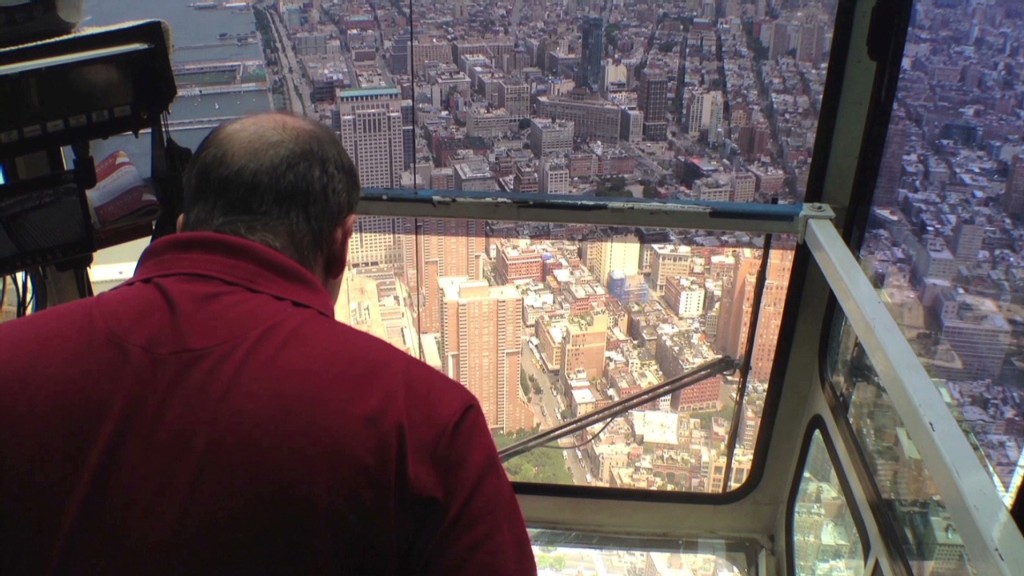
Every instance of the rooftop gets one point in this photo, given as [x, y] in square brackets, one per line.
[368, 92]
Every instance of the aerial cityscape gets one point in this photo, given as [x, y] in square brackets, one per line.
[711, 100]
[547, 322]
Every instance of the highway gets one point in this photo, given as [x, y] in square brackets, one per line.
[291, 70]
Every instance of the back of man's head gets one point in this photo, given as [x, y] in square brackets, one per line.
[282, 181]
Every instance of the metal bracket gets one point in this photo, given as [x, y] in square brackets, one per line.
[814, 211]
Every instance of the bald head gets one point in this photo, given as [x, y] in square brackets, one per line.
[251, 135]
[280, 180]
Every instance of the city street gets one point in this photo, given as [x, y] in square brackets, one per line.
[550, 417]
[552, 408]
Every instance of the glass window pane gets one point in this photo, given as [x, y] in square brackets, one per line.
[928, 536]
[573, 553]
[545, 323]
[942, 240]
[825, 537]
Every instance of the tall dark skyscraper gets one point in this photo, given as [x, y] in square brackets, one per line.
[890, 172]
[1013, 197]
[589, 72]
[653, 101]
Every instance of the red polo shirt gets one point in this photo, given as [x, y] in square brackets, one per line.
[211, 416]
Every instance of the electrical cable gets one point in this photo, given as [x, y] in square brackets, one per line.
[30, 302]
[37, 278]
[585, 442]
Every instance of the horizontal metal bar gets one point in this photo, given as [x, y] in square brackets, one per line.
[695, 215]
[695, 375]
[994, 544]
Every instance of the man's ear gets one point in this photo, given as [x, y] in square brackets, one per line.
[337, 256]
[180, 222]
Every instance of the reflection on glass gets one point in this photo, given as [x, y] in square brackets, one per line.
[943, 241]
[825, 538]
[926, 532]
[572, 554]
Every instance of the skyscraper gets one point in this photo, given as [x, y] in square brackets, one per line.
[1013, 197]
[370, 125]
[553, 177]
[705, 115]
[738, 310]
[679, 101]
[550, 136]
[400, 56]
[969, 239]
[440, 247]
[890, 171]
[811, 44]
[408, 134]
[481, 347]
[584, 341]
[377, 241]
[514, 96]
[371, 131]
[979, 333]
[653, 102]
[588, 74]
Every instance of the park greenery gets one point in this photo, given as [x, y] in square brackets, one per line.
[538, 465]
[651, 190]
[612, 187]
[554, 562]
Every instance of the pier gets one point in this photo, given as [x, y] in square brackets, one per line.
[223, 89]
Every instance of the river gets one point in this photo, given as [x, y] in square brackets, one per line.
[196, 36]
[197, 32]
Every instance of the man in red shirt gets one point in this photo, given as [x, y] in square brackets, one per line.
[211, 416]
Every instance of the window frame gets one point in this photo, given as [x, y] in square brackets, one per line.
[851, 221]
[617, 212]
[732, 548]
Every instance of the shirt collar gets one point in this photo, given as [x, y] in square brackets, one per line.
[236, 261]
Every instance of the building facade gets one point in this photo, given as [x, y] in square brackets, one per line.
[481, 348]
